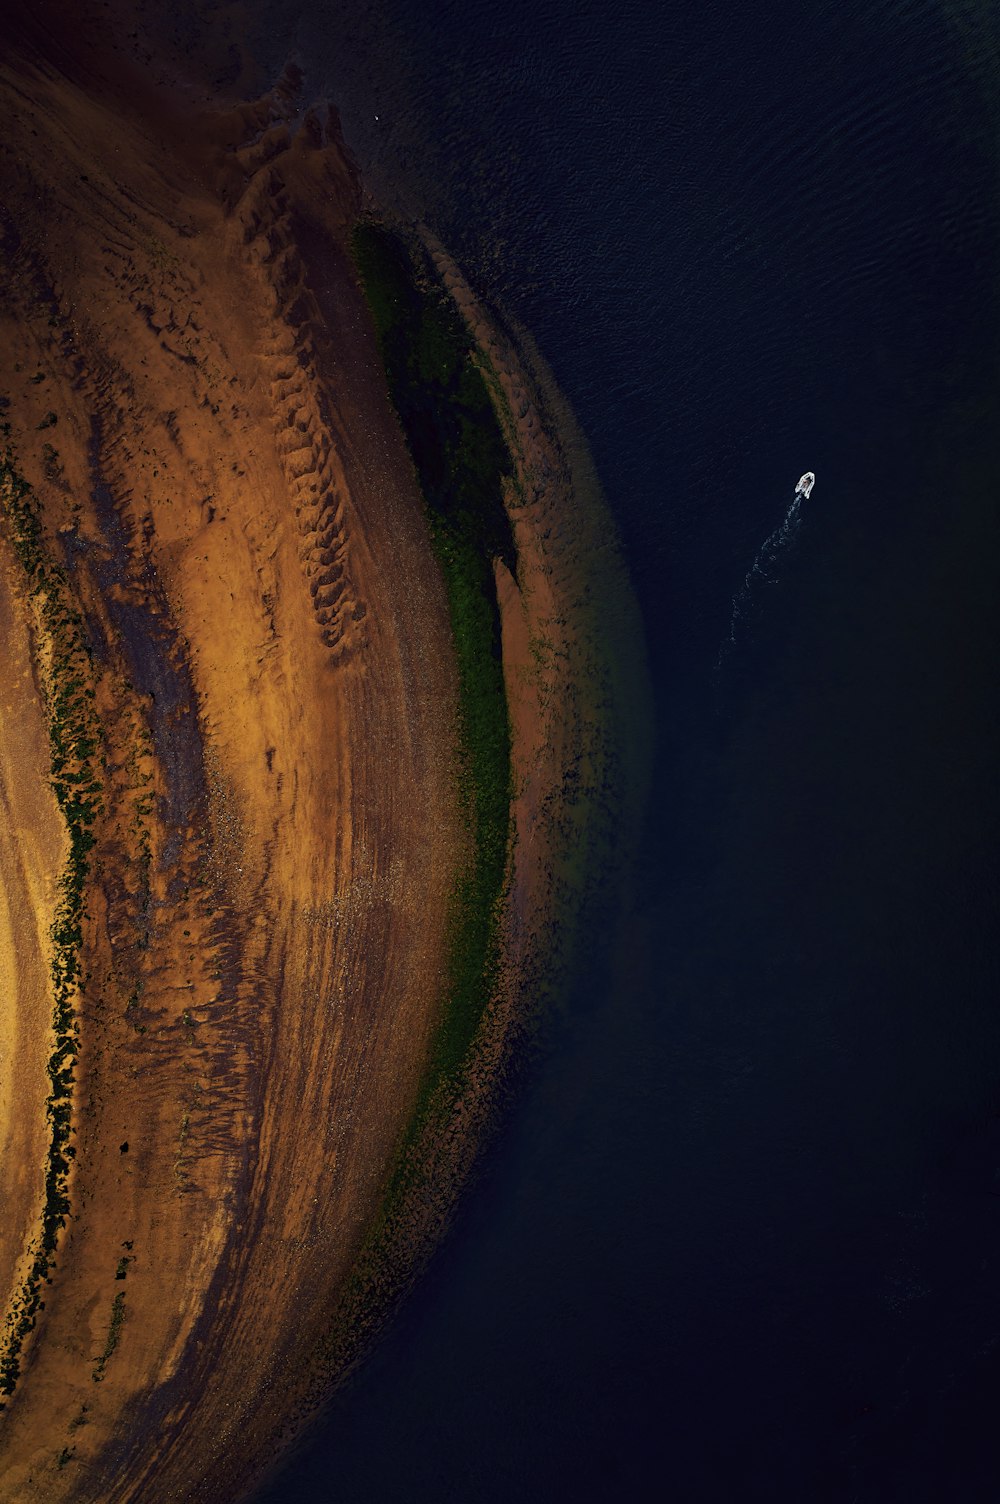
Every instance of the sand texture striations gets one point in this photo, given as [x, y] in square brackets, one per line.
[233, 805]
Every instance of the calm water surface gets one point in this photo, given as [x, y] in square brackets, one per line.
[740, 1236]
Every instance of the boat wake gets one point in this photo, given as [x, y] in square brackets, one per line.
[764, 569]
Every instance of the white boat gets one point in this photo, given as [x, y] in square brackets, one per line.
[806, 483]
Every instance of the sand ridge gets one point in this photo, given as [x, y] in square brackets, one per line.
[227, 486]
[32, 852]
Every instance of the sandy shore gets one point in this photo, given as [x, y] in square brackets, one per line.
[195, 397]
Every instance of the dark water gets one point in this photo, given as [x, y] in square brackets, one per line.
[740, 1237]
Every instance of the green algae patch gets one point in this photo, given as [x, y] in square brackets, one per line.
[437, 380]
[462, 461]
[65, 674]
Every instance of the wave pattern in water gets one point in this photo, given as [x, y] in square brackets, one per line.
[762, 573]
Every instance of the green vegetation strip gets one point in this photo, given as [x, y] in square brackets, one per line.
[114, 1332]
[438, 388]
[74, 741]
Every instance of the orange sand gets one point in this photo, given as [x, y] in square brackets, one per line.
[265, 937]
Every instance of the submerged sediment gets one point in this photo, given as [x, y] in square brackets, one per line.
[297, 780]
